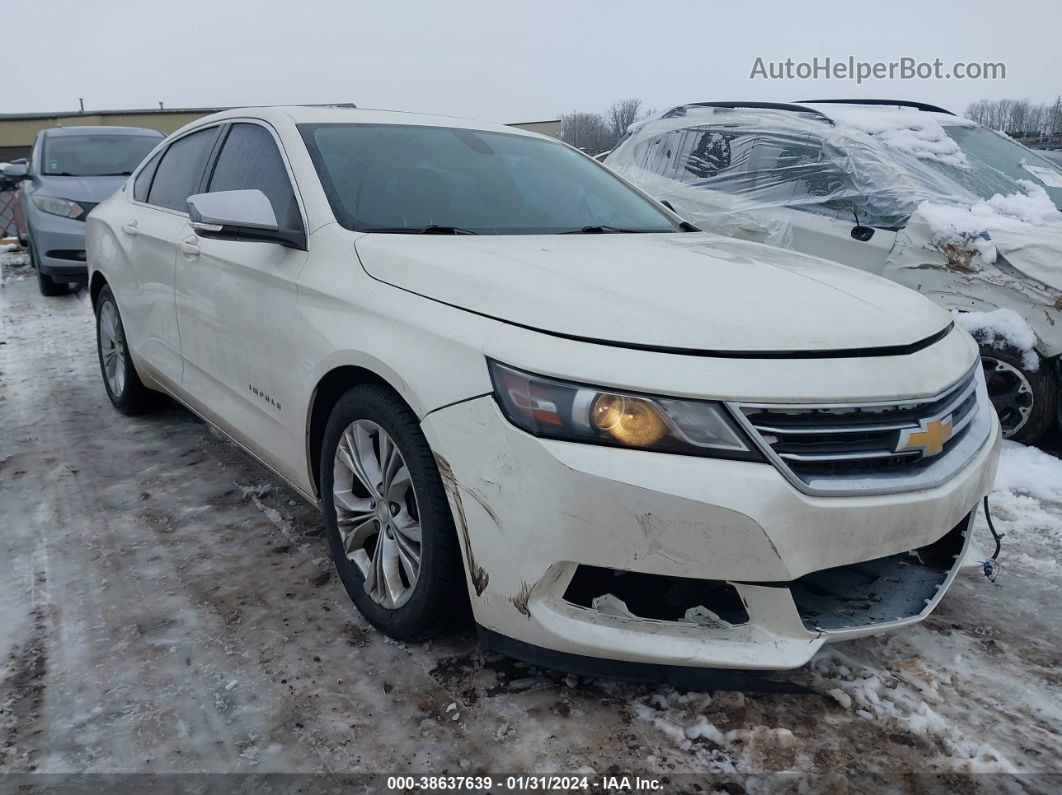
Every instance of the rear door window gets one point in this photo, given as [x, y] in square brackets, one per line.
[701, 156]
[181, 168]
[250, 160]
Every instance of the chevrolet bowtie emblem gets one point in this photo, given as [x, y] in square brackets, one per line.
[929, 437]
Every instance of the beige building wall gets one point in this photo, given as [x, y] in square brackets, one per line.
[552, 127]
[18, 131]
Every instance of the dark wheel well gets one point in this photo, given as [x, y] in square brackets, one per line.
[98, 283]
[329, 390]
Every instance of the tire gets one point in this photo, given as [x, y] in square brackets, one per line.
[124, 387]
[370, 561]
[1025, 400]
[45, 283]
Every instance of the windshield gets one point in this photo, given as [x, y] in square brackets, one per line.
[408, 178]
[95, 155]
[997, 162]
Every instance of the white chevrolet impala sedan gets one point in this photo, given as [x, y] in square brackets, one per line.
[518, 387]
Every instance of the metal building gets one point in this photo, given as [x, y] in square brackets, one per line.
[18, 130]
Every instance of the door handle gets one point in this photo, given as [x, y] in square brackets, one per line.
[130, 228]
[189, 246]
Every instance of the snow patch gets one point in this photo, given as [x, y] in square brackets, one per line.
[14, 264]
[1027, 471]
[255, 494]
[1000, 329]
[906, 693]
[1032, 207]
[918, 134]
[971, 224]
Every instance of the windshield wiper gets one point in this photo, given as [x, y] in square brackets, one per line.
[431, 229]
[610, 230]
[438, 229]
[596, 230]
[115, 174]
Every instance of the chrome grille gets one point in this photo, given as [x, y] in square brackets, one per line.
[858, 448]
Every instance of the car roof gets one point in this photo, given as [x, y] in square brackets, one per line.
[59, 132]
[335, 114]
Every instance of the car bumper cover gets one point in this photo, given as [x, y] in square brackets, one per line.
[536, 516]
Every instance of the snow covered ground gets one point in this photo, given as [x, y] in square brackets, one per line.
[169, 606]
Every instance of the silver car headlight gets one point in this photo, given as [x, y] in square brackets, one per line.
[553, 409]
[56, 206]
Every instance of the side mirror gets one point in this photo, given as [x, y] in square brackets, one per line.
[239, 215]
[249, 209]
[16, 172]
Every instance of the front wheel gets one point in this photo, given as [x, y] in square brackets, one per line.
[124, 387]
[1024, 398]
[388, 519]
[45, 283]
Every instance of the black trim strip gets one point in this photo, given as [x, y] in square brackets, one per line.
[455, 403]
[689, 677]
[841, 353]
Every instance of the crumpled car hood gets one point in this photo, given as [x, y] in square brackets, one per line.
[1036, 252]
[689, 291]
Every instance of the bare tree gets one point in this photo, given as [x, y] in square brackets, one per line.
[978, 111]
[1037, 118]
[621, 114]
[1033, 122]
[1018, 123]
[999, 114]
[1053, 123]
[586, 131]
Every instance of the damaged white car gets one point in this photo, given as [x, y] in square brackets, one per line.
[510, 379]
[961, 213]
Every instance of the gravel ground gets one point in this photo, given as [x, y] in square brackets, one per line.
[170, 607]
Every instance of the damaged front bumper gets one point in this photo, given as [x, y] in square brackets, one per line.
[663, 560]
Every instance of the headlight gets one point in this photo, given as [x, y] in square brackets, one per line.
[576, 413]
[64, 207]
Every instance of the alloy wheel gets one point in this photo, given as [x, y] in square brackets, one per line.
[112, 348]
[377, 513]
[1010, 392]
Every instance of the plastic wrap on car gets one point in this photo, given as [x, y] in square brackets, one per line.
[738, 173]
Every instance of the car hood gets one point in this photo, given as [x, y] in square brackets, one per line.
[1036, 251]
[689, 291]
[91, 190]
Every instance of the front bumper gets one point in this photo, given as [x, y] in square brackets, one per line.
[60, 246]
[532, 512]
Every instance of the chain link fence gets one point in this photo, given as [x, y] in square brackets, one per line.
[8, 203]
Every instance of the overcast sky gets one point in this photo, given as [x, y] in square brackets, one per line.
[503, 60]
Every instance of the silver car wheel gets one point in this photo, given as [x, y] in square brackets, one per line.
[377, 512]
[112, 348]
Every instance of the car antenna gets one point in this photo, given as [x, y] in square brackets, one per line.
[860, 232]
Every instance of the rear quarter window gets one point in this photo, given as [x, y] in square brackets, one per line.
[143, 180]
